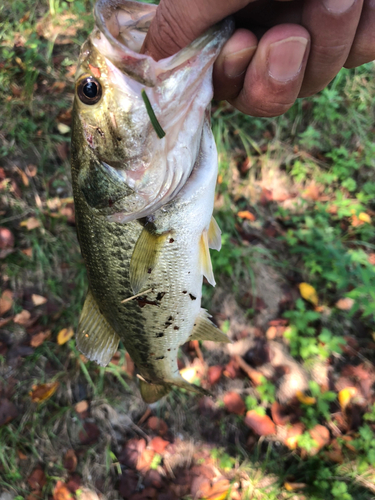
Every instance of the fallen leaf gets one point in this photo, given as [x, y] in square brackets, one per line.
[37, 479]
[345, 396]
[321, 436]
[294, 486]
[158, 444]
[308, 293]
[271, 332]
[61, 492]
[364, 217]
[42, 392]
[345, 304]
[306, 400]
[234, 403]
[145, 460]
[153, 479]
[279, 415]
[89, 434]
[312, 192]
[6, 301]
[31, 170]
[81, 406]
[21, 455]
[157, 424]
[131, 451]
[63, 129]
[22, 318]
[260, 424]
[189, 374]
[28, 252]
[38, 300]
[219, 490]
[7, 411]
[30, 223]
[6, 238]
[371, 259]
[214, 374]
[64, 335]
[245, 214]
[39, 338]
[70, 460]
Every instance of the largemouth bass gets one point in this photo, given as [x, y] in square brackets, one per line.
[144, 168]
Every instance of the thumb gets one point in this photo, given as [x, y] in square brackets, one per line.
[178, 22]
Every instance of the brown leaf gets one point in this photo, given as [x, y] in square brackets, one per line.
[158, 444]
[200, 487]
[31, 170]
[279, 414]
[312, 192]
[22, 318]
[21, 455]
[131, 451]
[70, 460]
[39, 338]
[6, 301]
[321, 436]
[371, 259]
[64, 335]
[6, 238]
[219, 490]
[81, 406]
[234, 403]
[7, 411]
[89, 434]
[61, 492]
[38, 300]
[214, 374]
[153, 479]
[28, 252]
[30, 223]
[42, 392]
[37, 479]
[260, 424]
[158, 425]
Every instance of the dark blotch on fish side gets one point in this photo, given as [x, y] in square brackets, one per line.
[149, 270]
[160, 357]
[159, 335]
[192, 297]
[100, 132]
[171, 240]
[184, 291]
[176, 328]
[143, 301]
[160, 295]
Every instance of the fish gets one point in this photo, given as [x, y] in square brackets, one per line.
[144, 168]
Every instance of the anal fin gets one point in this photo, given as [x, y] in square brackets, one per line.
[214, 235]
[144, 258]
[205, 330]
[96, 339]
[205, 259]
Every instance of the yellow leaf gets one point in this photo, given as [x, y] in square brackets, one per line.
[63, 129]
[30, 223]
[189, 374]
[345, 396]
[42, 392]
[306, 400]
[308, 293]
[364, 217]
[64, 335]
[294, 486]
[245, 214]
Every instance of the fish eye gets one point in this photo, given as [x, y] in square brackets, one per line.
[89, 90]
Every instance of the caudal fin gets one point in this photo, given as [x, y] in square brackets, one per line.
[153, 392]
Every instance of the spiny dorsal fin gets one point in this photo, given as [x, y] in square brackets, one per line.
[96, 339]
[152, 392]
[205, 330]
[205, 259]
[214, 235]
[144, 258]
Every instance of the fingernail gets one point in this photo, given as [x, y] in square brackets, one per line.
[236, 63]
[285, 58]
[338, 6]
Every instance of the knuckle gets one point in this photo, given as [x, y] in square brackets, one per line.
[266, 109]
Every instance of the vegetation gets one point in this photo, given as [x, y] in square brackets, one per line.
[293, 412]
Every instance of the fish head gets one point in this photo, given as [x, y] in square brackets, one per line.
[126, 169]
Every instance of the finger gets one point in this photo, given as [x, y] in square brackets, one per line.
[231, 65]
[178, 22]
[363, 48]
[274, 76]
[332, 25]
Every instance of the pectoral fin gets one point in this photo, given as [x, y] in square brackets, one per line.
[205, 259]
[144, 258]
[214, 235]
[96, 339]
[205, 330]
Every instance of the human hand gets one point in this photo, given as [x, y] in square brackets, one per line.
[302, 45]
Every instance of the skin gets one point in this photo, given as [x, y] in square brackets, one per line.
[282, 49]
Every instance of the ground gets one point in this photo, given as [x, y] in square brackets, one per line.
[292, 414]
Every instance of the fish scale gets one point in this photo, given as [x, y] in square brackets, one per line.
[146, 250]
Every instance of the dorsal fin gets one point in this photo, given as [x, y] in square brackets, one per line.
[214, 235]
[205, 259]
[204, 329]
[144, 258]
[96, 339]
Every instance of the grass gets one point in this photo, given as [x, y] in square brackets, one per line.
[308, 180]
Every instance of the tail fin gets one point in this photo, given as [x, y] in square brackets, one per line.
[153, 392]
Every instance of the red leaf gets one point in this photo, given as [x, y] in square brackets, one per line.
[158, 425]
[321, 435]
[61, 492]
[234, 403]
[260, 424]
[158, 444]
[37, 479]
[279, 415]
[214, 374]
